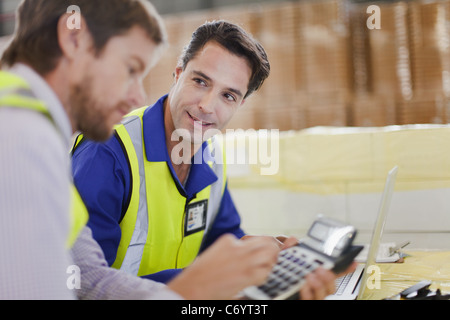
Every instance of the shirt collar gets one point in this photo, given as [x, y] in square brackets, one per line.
[200, 176]
[154, 132]
[45, 93]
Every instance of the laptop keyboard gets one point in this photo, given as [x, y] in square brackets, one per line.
[341, 283]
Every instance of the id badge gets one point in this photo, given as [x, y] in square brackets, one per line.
[195, 217]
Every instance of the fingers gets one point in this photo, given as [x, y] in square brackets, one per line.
[251, 259]
[319, 284]
[283, 242]
[261, 250]
[275, 240]
[289, 242]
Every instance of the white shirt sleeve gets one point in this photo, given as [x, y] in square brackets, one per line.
[34, 208]
[99, 281]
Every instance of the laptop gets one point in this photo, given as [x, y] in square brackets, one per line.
[352, 286]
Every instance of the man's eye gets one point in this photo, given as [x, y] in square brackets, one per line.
[200, 81]
[132, 71]
[229, 97]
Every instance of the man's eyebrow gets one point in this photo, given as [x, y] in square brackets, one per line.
[201, 74]
[236, 91]
[139, 61]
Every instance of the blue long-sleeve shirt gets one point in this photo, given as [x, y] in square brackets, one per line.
[102, 176]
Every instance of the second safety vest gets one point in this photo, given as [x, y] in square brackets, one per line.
[154, 226]
[16, 93]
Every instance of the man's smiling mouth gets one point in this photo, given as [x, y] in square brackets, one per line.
[197, 120]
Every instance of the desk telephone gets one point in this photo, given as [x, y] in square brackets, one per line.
[328, 244]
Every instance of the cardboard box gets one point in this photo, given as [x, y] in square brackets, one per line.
[370, 110]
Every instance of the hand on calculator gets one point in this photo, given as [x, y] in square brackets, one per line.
[319, 283]
[308, 269]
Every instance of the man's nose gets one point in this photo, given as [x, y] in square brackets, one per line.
[207, 103]
[136, 94]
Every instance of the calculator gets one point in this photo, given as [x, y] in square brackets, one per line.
[329, 244]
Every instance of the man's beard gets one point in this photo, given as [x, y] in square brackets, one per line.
[90, 116]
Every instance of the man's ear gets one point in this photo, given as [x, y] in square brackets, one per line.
[72, 39]
[177, 73]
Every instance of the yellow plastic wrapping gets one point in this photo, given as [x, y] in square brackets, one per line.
[419, 265]
[310, 158]
[340, 172]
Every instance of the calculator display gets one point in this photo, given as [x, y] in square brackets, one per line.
[319, 231]
[330, 236]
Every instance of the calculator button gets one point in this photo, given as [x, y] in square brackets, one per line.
[297, 271]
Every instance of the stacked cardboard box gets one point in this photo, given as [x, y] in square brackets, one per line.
[279, 35]
[325, 43]
[327, 109]
[381, 65]
[329, 68]
[325, 36]
[179, 29]
[430, 49]
[425, 109]
[160, 78]
[359, 50]
[371, 110]
[389, 53]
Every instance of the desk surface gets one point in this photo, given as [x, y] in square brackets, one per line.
[418, 266]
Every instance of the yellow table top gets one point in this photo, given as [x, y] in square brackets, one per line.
[419, 265]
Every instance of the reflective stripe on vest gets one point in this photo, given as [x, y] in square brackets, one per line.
[153, 226]
[15, 93]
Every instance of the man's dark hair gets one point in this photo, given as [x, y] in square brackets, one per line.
[35, 41]
[236, 40]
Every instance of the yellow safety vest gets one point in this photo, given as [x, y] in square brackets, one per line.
[153, 228]
[16, 93]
